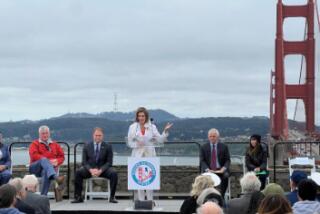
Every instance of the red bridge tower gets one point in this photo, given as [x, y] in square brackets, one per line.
[280, 91]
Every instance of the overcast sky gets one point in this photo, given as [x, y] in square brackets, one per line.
[192, 58]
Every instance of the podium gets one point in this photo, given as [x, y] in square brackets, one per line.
[144, 171]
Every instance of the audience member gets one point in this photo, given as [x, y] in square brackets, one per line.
[274, 204]
[8, 199]
[273, 188]
[5, 162]
[295, 179]
[249, 184]
[255, 202]
[315, 176]
[209, 208]
[307, 204]
[201, 183]
[210, 194]
[40, 203]
[21, 194]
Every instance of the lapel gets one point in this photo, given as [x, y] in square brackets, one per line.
[219, 151]
[102, 148]
[91, 149]
[209, 152]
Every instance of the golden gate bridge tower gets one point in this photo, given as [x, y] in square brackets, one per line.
[280, 90]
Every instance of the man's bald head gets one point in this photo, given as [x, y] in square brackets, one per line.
[210, 208]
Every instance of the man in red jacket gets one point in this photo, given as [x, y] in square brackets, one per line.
[45, 158]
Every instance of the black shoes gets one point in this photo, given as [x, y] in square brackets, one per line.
[77, 200]
[113, 200]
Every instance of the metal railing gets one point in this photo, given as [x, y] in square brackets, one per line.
[293, 149]
[122, 143]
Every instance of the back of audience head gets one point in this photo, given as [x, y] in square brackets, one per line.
[210, 194]
[18, 184]
[30, 183]
[201, 182]
[209, 208]
[307, 190]
[296, 177]
[250, 183]
[7, 196]
[274, 204]
[273, 188]
[255, 201]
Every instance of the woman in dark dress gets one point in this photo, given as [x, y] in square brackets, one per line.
[256, 159]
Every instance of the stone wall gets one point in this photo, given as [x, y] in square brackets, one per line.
[174, 179]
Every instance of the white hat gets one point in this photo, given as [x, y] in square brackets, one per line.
[215, 178]
[315, 176]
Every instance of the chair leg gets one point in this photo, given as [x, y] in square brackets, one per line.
[90, 189]
[86, 190]
[109, 190]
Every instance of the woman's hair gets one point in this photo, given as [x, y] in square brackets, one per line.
[144, 110]
[201, 182]
[7, 195]
[255, 150]
[255, 201]
[274, 204]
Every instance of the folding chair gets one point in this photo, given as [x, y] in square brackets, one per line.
[302, 161]
[94, 194]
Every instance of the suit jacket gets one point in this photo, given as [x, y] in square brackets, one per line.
[24, 207]
[239, 205]
[105, 156]
[39, 203]
[222, 155]
[6, 158]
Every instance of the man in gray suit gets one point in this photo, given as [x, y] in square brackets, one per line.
[40, 203]
[97, 158]
[250, 183]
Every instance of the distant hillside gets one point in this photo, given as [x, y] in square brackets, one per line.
[78, 127]
[157, 114]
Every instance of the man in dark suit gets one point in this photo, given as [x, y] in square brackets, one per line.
[97, 158]
[215, 158]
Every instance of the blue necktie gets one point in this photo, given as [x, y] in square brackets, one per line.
[97, 152]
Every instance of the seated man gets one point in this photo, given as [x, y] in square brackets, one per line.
[5, 163]
[97, 158]
[39, 203]
[45, 158]
[295, 179]
[215, 158]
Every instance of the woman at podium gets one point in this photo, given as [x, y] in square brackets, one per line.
[143, 137]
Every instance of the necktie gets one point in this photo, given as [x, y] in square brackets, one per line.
[213, 165]
[97, 152]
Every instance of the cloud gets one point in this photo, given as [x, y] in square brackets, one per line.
[194, 59]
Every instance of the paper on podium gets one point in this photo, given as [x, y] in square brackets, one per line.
[145, 141]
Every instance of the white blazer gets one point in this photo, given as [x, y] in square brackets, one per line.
[142, 145]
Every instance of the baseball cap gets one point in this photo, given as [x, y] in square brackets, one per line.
[298, 176]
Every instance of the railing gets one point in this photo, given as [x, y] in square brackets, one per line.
[124, 145]
[65, 154]
[293, 149]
